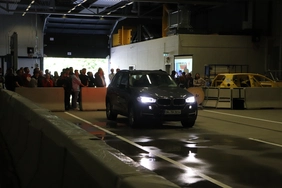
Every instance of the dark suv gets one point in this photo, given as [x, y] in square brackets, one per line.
[149, 95]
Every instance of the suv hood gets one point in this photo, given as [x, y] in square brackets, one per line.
[163, 92]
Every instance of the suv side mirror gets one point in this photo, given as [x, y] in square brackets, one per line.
[181, 86]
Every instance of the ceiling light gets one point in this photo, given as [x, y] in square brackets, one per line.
[28, 7]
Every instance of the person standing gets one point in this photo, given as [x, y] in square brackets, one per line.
[100, 78]
[83, 77]
[68, 88]
[2, 79]
[34, 79]
[64, 82]
[173, 75]
[26, 77]
[19, 79]
[84, 81]
[10, 80]
[47, 81]
[55, 78]
[40, 79]
[76, 83]
[91, 79]
[198, 81]
[112, 74]
[189, 80]
[182, 80]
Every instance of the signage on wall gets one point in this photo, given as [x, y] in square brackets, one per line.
[183, 63]
[30, 50]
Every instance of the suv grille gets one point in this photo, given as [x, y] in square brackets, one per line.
[173, 102]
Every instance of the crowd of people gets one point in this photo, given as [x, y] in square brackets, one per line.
[186, 80]
[71, 80]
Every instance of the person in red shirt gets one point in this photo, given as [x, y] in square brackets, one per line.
[26, 77]
[47, 82]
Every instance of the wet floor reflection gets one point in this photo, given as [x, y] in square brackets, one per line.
[234, 161]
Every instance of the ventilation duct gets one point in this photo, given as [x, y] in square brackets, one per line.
[180, 20]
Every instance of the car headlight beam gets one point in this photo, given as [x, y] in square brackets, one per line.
[190, 99]
[146, 99]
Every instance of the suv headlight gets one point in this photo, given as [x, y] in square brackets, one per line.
[146, 99]
[190, 99]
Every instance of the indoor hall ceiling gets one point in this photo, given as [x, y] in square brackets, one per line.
[96, 16]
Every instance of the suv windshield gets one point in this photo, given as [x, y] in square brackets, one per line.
[144, 79]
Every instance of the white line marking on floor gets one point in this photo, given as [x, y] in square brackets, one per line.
[265, 142]
[180, 165]
[105, 130]
[246, 117]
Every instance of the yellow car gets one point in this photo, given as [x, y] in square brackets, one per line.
[233, 80]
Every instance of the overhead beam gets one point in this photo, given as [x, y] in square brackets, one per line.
[194, 2]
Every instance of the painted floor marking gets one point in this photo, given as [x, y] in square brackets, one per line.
[180, 165]
[246, 117]
[265, 142]
[96, 126]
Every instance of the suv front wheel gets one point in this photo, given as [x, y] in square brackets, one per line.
[187, 123]
[133, 118]
[109, 111]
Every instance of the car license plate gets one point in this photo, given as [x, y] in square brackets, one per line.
[172, 112]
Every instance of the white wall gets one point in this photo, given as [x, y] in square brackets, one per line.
[144, 55]
[206, 49]
[223, 49]
[27, 28]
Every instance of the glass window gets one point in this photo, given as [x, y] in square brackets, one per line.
[116, 80]
[261, 78]
[150, 80]
[124, 79]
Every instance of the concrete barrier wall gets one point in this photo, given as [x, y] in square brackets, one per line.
[50, 152]
[93, 98]
[224, 98]
[51, 98]
[211, 97]
[263, 98]
[250, 97]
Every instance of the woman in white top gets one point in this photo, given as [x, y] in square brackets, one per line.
[198, 81]
[76, 83]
